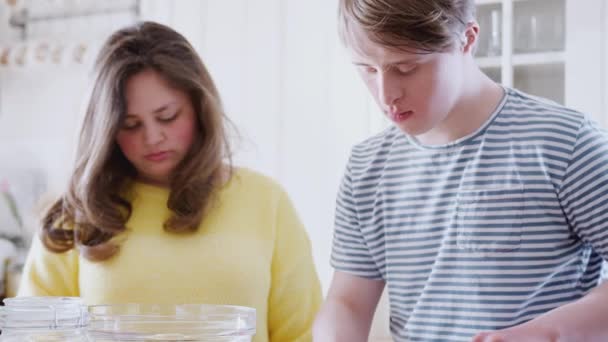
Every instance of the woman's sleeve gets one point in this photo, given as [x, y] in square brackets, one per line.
[295, 294]
[49, 274]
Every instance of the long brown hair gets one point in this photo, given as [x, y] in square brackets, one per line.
[424, 26]
[94, 209]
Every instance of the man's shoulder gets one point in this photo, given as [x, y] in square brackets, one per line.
[377, 144]
[521, 104]
[370, 158]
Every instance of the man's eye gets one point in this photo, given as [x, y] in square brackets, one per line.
[370, 70]
[406, 70]
[367, 69]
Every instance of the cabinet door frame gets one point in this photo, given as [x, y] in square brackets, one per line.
[584, 83]
[604, 65]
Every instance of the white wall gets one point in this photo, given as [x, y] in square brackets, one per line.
[585, 40]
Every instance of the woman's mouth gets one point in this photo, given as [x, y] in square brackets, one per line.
[157, 156]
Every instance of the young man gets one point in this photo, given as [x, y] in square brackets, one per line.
[482, 209]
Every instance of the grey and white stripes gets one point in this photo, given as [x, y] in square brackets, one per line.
[484, 233]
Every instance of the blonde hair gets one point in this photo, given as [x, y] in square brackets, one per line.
[424, 26]
[94, 209]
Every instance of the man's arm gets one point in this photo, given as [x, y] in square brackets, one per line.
[582, 193]
[583, 320]
[347, 313]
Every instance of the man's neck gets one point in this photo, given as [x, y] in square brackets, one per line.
[476, 104]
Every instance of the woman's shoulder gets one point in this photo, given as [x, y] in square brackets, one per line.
[250, 179]
[250, 183]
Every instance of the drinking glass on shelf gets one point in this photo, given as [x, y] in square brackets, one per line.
[538, 26]
[482, 47]
[42, 52]
[494, 43]
[489, 18]
[5, 52]
[20, 54]
[57, 53]
[556, 27]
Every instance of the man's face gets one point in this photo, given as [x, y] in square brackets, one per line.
[416, 91]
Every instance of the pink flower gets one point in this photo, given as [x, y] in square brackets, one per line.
[4, 186]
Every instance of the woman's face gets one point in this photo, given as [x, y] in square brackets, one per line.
[158, 128]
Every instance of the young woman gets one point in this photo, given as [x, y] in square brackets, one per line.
[155, 213]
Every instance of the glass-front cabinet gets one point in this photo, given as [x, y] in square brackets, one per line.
[557, 49]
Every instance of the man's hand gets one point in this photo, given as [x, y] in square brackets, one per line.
[583, 320]
[528, 332]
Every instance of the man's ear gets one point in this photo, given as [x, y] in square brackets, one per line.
[470, 37]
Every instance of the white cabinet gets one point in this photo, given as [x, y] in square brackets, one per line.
[551, 48]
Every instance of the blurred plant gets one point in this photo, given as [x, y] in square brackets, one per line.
[9, 199]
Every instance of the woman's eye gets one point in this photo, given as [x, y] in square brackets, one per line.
[130, 125]
[167, 118]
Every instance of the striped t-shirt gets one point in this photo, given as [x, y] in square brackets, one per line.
[484, 233]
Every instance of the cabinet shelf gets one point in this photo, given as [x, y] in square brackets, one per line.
[538, 58]
[549, 48]
[495, 2]
[524, 59]
[488, 62]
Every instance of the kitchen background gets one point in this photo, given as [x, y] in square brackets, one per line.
[285, 80]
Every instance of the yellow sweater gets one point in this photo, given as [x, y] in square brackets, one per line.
[250, 250]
